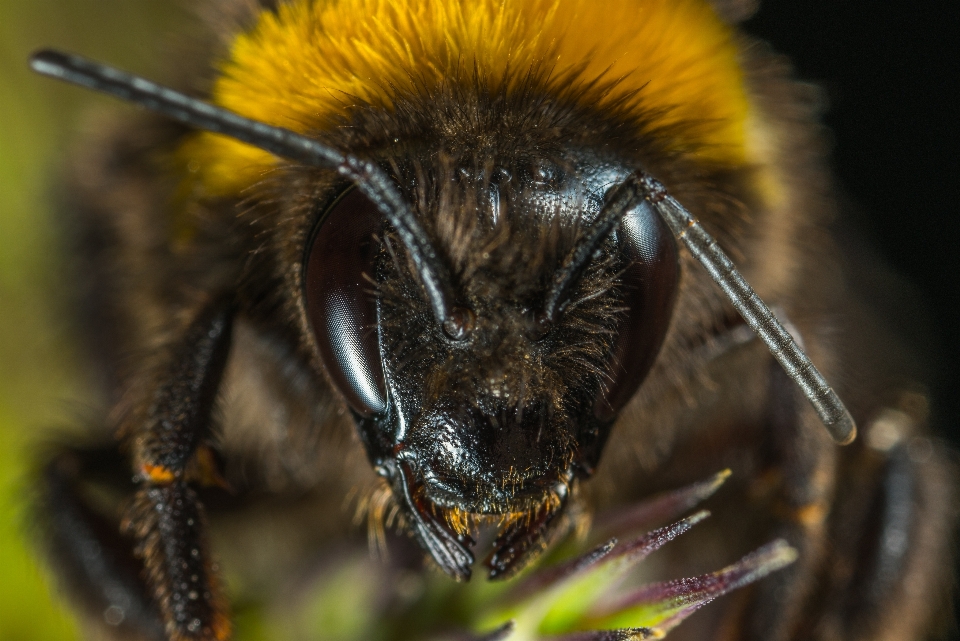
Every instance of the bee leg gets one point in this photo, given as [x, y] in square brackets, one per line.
[891, 554]
[93, 560]
[905, 558]
[803, 463]
[166, 518]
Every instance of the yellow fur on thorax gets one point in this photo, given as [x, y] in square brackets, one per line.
[304, 66]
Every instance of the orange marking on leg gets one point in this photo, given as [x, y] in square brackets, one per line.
[204, 470]
[221, 627]
[812, 514]
[158, 474]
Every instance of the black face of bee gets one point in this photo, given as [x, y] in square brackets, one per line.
[500, 409]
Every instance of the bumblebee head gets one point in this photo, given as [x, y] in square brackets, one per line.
[495, 398]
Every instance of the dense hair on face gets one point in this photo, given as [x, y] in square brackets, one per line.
[503, 245]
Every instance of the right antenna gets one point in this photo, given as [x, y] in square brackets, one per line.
[754, 311]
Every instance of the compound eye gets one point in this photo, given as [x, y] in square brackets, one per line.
[341, 303]
[649, 286]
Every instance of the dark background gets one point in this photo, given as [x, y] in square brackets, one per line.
[890, 72]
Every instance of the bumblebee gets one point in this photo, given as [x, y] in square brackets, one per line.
[448, 258]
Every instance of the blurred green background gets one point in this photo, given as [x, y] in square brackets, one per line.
[40, 384]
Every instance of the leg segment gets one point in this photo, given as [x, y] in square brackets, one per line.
[803, 471]
[96, 564]
[891, 559]
[166, 518]
[179, 416]
[169, 525]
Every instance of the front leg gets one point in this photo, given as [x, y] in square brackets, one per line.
[167, 443]
[803, 471]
